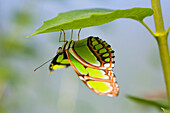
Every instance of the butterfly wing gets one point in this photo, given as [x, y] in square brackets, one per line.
[92, 60]
[102, 82]
[93, 52]
[59, 61]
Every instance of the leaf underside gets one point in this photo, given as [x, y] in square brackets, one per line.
[155, 103]
[77, 19]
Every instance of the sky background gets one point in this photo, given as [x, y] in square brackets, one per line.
[137, 68]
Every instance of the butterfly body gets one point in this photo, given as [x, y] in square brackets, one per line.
[93, 60]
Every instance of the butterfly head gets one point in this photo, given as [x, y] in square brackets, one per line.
[60, 50]
[60, 60]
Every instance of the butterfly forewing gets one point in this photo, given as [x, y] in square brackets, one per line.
[93, 52]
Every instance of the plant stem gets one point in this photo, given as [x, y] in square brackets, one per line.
[148, 28]
[164, 55]
[167, 31]
[159, 24]
[161, 36]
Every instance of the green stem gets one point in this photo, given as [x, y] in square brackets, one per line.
[148, 28]
[167, 31]
[161, 36]
[164, 55]
[159, 24]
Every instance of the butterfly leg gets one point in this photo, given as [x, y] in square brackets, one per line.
[71, 34]
[79, 34]
[60, 36]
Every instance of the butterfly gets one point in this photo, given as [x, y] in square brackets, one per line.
[93, 61]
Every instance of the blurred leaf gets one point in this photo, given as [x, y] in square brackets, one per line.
[165, 111]
[155, 103]
[10, 48]
[22, 18]
[9, 75]
[3, 110]
[77, 19]
[3, 85]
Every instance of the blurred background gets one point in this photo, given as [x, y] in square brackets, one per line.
[138, 68]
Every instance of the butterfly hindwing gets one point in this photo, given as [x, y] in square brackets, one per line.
[102, 82]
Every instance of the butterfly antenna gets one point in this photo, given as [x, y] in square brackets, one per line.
[42, 64]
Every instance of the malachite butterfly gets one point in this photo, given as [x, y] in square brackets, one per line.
[93, 60]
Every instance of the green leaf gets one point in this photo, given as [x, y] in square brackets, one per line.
[155, 103]
[77, 19]
[165, 111]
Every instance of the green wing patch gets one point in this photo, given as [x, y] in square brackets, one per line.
[82, 50]
[100, 86]
[102, 82]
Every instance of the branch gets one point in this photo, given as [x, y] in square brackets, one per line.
[168, 30]
[148, 28]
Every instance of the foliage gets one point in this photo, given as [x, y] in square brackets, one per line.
[12, 48]
[90, 17]
[165, 111]
[155, 103]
